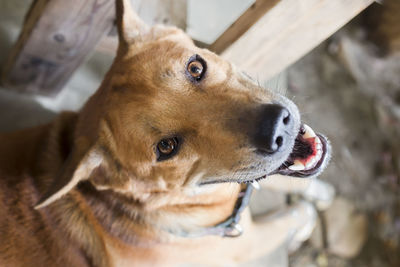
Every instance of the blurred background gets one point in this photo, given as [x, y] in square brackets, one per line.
[338, 60]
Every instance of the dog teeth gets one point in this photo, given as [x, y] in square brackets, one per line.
[313, 160]
[255, 184]
[309, 133]
[311, 163]
[297, 166]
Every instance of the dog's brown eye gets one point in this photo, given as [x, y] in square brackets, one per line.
[167, 148]
[195, 68]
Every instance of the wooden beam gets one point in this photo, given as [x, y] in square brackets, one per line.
[242, 24]
[56, 38]
[288, 31]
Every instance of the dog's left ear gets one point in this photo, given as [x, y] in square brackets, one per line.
[129, 25]
[78, 167]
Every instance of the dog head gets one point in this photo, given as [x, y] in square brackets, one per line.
[170, 115]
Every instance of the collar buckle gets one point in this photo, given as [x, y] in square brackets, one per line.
[233, 230]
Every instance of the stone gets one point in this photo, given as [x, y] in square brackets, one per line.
[346, 229]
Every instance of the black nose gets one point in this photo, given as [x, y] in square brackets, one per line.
[273, 129]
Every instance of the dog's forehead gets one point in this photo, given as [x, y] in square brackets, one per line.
[159, 72]
[168, 49]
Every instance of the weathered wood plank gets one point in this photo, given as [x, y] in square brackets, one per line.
[288, 31]
[56, 38]
[242, 24]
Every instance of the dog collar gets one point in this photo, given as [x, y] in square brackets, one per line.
[230, 227]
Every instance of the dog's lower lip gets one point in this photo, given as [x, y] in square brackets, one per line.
[253, 180]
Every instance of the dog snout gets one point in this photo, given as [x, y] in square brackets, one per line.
[273, 132]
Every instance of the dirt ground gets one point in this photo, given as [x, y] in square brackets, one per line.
[346, 90]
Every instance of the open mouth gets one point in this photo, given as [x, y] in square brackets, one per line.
[308, 158]
[309, 155]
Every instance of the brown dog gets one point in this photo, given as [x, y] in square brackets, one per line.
[138, 176]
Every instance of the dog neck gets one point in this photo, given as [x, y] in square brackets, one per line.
[164, 216]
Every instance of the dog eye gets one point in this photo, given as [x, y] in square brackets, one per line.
[196, 67]
[167, 148]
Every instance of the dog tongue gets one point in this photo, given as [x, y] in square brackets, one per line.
[313, 143]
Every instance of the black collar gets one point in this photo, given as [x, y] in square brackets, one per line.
[230, 227]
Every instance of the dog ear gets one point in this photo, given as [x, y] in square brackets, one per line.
[77, 168]
[129, 25]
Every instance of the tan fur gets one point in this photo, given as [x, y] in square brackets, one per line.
[103, 199]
